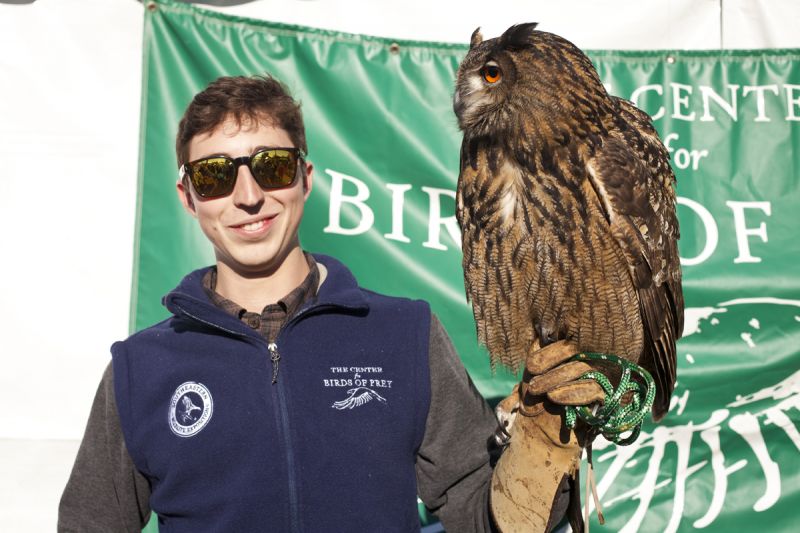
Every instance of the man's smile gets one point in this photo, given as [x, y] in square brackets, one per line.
[256, 227]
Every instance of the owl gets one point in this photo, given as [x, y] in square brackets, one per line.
[566, 203]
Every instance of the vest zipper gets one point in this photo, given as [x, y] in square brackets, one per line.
[274, 354]
[283, 413]
[275, 357]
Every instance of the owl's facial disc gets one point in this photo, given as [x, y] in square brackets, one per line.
[484, 81]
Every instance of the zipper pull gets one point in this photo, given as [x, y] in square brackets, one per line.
[275, 357]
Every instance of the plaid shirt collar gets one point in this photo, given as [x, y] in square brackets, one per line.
[272, 318]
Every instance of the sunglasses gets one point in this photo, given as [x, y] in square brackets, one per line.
[215, 176]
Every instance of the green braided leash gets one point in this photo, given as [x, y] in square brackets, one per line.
[612, 419]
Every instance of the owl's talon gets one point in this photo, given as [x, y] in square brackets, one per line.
[502, 437]
[506, 412]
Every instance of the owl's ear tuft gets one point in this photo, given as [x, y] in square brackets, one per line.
[476, 38]
[518, 36]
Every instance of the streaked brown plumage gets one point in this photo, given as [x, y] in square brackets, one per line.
[566, 204]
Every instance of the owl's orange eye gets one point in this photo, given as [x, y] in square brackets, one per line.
[491, 73]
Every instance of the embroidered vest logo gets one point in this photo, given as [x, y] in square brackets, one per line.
[361, 386]
[190, 409]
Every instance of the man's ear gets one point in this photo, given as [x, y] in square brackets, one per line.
[185, 196]
[308, 176]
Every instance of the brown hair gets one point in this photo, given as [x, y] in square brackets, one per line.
[241, 98]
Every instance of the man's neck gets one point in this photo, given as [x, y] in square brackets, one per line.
[256, 292]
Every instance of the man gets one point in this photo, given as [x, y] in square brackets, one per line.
[222, 418]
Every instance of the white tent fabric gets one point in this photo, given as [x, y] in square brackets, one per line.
[70, 87]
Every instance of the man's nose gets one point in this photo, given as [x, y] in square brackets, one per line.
[247, 192]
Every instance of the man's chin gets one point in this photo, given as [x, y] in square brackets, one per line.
[254, 266]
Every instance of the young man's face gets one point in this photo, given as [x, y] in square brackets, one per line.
[252, 230]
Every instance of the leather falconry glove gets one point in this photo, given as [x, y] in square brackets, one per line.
[536, 479]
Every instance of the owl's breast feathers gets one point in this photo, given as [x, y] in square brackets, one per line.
[574, 236]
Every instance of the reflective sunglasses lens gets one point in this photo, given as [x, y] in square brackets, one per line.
[274, 168]
[212, 177]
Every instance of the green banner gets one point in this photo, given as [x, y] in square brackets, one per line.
[384, 142]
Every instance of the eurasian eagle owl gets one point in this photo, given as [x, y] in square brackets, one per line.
[566, 203]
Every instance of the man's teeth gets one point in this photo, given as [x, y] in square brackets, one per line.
[253, 225]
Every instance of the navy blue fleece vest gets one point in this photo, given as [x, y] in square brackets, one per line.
[330, 447]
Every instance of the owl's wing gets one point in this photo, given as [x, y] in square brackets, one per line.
[632, 177]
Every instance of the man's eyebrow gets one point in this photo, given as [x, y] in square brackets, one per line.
[268, 147]
[251, 151]
[211, 154]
